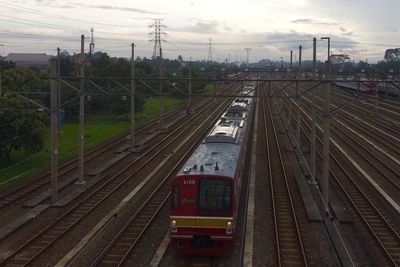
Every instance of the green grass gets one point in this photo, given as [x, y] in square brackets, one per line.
[209, 88]
[98, 129]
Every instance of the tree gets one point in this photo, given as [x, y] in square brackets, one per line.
[392, 55]
[21, 124]
[66, 63]
[339, 58]
[21, 127]
[6, 64]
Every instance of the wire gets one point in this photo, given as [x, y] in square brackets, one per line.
[41, 23]
[39, 12]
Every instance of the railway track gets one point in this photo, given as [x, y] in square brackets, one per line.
[289, 245]
[70, 166]
[377, 166]
[366, 124]
[378, 226]
[27, 253]
[121, 246]
[387, 111]
[365, 206]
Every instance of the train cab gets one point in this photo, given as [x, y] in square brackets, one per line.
[202, 219]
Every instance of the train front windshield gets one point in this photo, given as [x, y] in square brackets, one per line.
[215, 195]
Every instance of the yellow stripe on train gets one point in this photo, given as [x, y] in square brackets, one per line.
[203, 222]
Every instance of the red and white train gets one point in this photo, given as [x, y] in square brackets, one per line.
[206, 190]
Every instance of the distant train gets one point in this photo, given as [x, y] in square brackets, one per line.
[370, 87]
[359, 87]
[231, 77]
[206, 191]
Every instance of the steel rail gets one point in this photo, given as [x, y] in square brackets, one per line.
[376, 223]
[282, 201]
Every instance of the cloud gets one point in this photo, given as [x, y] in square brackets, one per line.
[56, 4]
[301, 21]
[199, 26]
[311, 21]
[119, 8]
[205, 27]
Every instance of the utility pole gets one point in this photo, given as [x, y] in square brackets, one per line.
[54, 129]
[289, 121]
[0, 78]
[326, 134]
[313, 115]
[247, 57]
[214, 83]
[298, 113]
[91, 45]
[291, 60]
[376, 100]
[189, 109]
[58, 84]
[133, 99]
[81, 178]
[161, 92]
[300, 50]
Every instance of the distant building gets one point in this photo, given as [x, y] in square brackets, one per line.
[38, 60]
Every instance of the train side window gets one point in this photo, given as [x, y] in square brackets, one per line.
[176, 197]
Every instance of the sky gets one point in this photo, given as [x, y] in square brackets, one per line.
[363, 29]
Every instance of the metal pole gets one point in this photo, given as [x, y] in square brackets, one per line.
[81, 178]
[326, 136]
[300, 50]
[376, 101]
[289, 117]
[269, 88]
[214, 84]
[313, 115]
[190, 87]
[133, 99]
[291, 60]
[314, 57]
[161, 92]
[58, 83]
[298, 119]
[0, 83]
[54, 130]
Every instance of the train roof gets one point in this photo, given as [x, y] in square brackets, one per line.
[223, 133]
[213, 159]
[218, 154]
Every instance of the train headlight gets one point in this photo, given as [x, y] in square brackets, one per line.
[229, 224]
[173, 223]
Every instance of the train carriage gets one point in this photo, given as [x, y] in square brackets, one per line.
[206, 190]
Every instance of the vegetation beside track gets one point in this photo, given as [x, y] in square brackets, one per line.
[98, 129]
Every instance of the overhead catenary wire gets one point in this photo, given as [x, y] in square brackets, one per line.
[58, 16]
